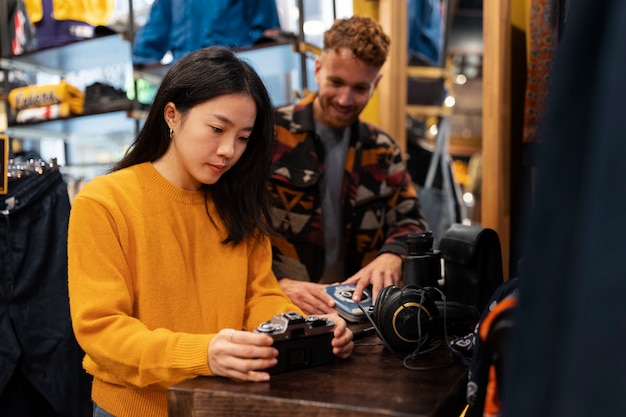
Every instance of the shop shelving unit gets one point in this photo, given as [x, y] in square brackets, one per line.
[103, 135]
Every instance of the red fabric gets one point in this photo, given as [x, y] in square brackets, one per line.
[544, 37]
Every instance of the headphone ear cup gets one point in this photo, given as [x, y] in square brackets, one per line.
[403, 316]
[381, 299]
[461, 319]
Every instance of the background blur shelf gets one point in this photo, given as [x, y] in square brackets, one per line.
[276, 62]
[89, 127]
[98, 52]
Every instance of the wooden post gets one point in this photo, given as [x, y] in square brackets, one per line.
[392, 87]
[496, 148]
[387, 108]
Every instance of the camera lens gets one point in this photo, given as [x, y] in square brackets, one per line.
[422, 265]
[419, 243]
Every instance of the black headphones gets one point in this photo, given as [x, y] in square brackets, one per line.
[404, 316]
[408, 318]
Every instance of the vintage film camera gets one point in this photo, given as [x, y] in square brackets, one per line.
[301, 342]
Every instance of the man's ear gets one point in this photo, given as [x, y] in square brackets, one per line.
[318, 64]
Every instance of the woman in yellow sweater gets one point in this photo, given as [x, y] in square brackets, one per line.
[169, 259]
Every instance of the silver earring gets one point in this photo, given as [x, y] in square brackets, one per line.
[171, 133]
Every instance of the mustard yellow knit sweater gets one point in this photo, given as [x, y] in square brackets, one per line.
[150, 284]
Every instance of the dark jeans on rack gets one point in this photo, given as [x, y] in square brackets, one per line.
[39, 356]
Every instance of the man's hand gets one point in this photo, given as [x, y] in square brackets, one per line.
[309, 296]
[382, 272]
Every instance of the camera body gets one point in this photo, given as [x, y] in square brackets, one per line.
[301, 342]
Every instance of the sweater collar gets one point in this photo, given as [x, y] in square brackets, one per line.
[168, 189]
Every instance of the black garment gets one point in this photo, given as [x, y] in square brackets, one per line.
[36, 337]
[497, 319]
[17, 34]
[566, 359]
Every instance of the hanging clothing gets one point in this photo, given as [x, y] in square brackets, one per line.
[58, 22]
[547, 20]
[37, 340]
[566, 349]
[18, 33]
[183, 26]
[425, 35]
[545, 25]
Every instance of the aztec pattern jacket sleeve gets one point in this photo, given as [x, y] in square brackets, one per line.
[380, 204]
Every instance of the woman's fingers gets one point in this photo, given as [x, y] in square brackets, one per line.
[240, 355]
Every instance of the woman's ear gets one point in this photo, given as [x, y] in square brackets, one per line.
[169, 114]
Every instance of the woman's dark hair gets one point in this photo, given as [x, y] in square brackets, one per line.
[240, 195]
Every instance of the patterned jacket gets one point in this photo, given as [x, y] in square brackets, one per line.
[380, 205]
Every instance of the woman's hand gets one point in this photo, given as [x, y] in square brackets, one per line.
[342, 336]
[242, 355]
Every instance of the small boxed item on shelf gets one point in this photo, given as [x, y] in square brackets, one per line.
[45, 102]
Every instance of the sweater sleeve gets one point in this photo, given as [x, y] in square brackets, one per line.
[120, 348]
[265, 296]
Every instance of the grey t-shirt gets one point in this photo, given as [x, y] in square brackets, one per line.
[336, 147]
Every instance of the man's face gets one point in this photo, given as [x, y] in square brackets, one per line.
[345, 86]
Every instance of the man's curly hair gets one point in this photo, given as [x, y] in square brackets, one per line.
[362, 35]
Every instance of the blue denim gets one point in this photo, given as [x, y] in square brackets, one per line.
[184, 26]
[36, 337]
[425, 36]
[99, 412]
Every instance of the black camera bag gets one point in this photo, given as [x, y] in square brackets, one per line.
[473, 264]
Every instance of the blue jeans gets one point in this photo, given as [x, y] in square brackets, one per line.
[99, 412]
